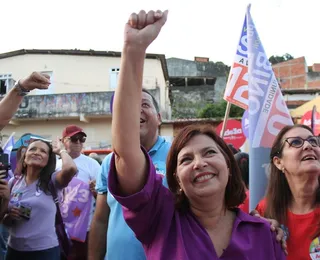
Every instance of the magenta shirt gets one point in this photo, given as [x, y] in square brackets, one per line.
[169, 234]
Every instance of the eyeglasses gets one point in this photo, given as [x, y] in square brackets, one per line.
[75, 139]
[298, 142]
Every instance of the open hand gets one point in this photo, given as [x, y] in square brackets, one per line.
[143, 28]
[57, 146]
[35, 81]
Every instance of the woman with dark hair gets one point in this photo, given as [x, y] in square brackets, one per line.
[197, 217]
[32, 210]
[242, 160]
[233, 149]
[293, 193]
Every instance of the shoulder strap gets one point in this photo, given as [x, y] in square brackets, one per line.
[56, 201]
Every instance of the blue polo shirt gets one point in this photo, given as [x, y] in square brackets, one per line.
[121, 241]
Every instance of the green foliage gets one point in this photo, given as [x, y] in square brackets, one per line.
[217, 110]
[185, 109]
[277, 59]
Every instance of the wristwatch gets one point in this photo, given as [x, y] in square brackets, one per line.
[21, 91]
[63, 151]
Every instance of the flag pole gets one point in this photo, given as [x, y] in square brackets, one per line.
[226, 117]
[313, 117]
[226, 114]
[13, 133]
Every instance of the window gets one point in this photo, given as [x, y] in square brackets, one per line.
[6, 83]
[114, 73]
[50, 89]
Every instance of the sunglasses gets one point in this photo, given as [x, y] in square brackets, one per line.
[298, 142]
[75, 139]
[33, 139]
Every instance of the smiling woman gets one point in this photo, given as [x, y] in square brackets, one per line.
[201, 207]
[198, 217]
[197, 152]
[293, 194]
[32, 211]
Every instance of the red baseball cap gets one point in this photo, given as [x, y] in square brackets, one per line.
[72, 130]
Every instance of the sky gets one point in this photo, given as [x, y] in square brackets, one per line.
[206, 28]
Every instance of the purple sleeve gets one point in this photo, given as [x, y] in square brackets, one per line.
[148, 211]
[54, 180]
[278, 251]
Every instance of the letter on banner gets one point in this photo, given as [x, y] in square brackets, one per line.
[237, 85]
[268, 112]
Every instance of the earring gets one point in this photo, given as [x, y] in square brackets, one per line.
[282, 169]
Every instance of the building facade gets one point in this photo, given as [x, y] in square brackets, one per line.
[299, 83]
[193, 84]
[82, 84]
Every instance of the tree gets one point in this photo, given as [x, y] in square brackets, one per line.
[277, 59]
[217, 110]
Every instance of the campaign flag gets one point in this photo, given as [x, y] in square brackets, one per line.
[237, 86]
[268, 112]
[311, 118]
[7, 148]
[76, 209]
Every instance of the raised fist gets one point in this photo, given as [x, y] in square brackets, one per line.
[143, 28]
[35, 81]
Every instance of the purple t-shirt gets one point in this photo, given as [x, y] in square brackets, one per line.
[169, 234]
[38, 232]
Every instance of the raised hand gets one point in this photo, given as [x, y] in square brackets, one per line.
[57, 146]
[143, 28]
[35, 81]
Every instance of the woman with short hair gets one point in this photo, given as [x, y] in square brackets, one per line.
[197, 217]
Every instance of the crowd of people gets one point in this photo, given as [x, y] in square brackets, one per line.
[149, 198]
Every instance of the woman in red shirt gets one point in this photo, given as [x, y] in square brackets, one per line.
[293, 194]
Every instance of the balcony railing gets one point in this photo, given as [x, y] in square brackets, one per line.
[66, 105]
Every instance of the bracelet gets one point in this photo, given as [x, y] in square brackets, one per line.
[285, 231]
[63, 151]
[21, 91]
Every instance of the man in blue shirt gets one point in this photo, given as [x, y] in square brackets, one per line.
[121, 242]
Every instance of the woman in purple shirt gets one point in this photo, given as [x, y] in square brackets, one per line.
[197, 217]
[31, 210]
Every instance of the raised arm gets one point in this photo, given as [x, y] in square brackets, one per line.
[10, 103]
[140, 31]
[69, 168]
